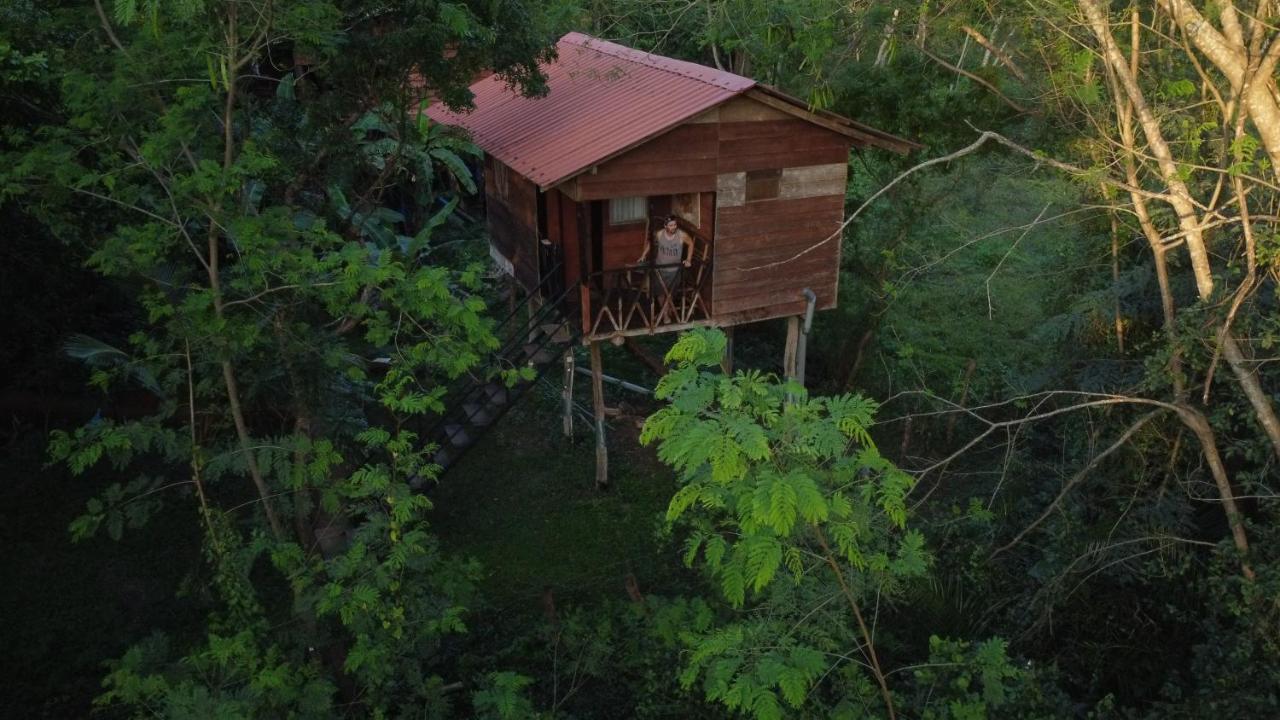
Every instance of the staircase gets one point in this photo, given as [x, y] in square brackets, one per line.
[477, 401]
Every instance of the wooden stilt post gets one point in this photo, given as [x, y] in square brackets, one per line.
[726, 363]
[790, 354]
[802, 348]
[566, 394]
[597, 400]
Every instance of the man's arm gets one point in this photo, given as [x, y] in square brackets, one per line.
[688, 244]
[645, 252]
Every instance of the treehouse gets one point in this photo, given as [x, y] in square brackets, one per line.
[576, 181]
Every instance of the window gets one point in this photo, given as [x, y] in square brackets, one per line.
[627, 210]
[763, 184]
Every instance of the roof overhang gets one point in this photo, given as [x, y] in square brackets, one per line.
[606, 99]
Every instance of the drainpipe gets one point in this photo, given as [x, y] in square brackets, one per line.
[812, 301]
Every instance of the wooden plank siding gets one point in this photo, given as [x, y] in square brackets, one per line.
[567, 235]
[764, 245]
[513, 219]
[622, 243]
[681, 160]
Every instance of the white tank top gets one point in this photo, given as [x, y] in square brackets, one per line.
[670, 248]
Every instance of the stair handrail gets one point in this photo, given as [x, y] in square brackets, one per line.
[471, 386]
[463, 379]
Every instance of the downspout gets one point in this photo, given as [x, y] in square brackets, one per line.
[811, 299]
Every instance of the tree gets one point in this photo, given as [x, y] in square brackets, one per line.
[276, 208]
[801, 523]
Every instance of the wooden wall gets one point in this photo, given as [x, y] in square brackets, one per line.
[512, 210]
[622, 243]
[679, 161]
[779, 192]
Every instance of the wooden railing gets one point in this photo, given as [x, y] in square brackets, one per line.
[647, 297]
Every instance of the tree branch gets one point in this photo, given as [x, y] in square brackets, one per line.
[1076, 479]
[978, 79]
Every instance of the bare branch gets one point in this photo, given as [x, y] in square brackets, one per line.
[1076, 480]
[997, 52]
[978, 79]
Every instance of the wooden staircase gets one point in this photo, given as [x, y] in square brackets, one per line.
[476, 402]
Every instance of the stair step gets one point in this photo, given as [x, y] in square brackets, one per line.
[497, 394]
[543, 356]
[456, 435]
[559, 331]
[479, 414]
[443, 457]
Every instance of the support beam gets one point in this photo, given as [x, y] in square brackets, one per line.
[597, 401]
[566, 393]
[802, 347]
[790, 354]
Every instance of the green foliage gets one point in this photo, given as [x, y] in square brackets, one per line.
[768, 474]
[504, 698]
[284, 222]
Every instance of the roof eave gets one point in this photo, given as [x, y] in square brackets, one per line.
[856, 131]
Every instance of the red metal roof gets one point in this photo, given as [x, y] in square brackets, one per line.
[603, 98]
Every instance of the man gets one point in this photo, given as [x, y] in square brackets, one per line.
[671, 247]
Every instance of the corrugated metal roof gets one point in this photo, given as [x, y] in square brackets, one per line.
[603, 98]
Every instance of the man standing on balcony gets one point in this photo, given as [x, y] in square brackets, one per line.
[671, 247]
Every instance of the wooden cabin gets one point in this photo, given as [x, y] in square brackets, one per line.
[576, 180]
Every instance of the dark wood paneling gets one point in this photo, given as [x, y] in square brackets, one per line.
[769, 128]
[623, 243]
[772, 232]
[779, 308]
[651, 168]
[569, 238]
[708, 213]
[804, 141]
[771, 157]
[777, 144]
[682, 141]
[681, 160]
[553, 217]
[513, 218]
[757, 234]
[782, 278]
[649, 188]
[785, 206]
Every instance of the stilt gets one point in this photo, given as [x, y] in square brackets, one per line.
[790, 354]
[597, 401]
[802, 347]
[726, 363]
[566, 394]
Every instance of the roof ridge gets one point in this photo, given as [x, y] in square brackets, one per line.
[683, 68]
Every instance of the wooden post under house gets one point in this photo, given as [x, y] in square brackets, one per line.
[597, 404]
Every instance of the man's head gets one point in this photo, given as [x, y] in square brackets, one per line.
[671, 225]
